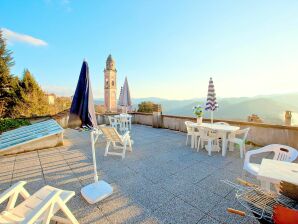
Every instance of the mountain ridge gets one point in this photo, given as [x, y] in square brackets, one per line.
[270, 108]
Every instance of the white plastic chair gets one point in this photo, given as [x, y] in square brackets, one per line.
[219, 135]
[37, 208]
[192, 133]
[208, 135]
[125, 122]
[113, 122]
[232, 139]
[281, 153]
[118, 141]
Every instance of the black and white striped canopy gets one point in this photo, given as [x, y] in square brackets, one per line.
[211, 98]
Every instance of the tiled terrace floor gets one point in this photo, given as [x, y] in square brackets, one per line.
[161, 181]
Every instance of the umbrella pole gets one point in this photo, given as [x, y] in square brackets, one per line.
[211, 117]
[93, 156]
[98, 190]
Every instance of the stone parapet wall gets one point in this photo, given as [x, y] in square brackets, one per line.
[260, 133]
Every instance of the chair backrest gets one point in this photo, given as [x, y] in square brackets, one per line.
[111, 134]
[113, 121]
[281, 152]
[222, 123]
[188, 126]
[124, 118]
[243, 132]
[284, 153]
[205, 132]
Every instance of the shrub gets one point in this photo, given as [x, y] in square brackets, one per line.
[7, 124]
[146, 107]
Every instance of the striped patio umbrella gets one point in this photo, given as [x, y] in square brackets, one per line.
[125, 100]
[211, 104]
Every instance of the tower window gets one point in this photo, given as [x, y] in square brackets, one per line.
[113, 83]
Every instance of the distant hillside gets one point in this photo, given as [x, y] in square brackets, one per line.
[270, 108]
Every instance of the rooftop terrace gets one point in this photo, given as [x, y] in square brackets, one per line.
[161, 181]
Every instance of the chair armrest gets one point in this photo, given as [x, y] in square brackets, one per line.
[248, 154]
[47, 203]
[16, 188]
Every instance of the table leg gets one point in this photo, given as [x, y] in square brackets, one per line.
[192, 141]
[265, 185]
[224, 144]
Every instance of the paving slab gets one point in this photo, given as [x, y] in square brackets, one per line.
[161, 181]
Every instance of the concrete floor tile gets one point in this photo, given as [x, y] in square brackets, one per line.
[177, 211]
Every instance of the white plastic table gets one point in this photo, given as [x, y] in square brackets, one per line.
[274, 171]
[220, 128]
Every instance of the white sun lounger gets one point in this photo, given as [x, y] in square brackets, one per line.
[37, 208]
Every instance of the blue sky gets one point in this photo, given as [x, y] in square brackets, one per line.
[166, 48]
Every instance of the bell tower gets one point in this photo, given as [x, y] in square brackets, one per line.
[110, 80]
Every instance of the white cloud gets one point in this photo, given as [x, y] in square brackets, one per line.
[13, 37]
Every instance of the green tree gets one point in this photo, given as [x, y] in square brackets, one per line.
[8, 97]
[146, 107]
[34, 100]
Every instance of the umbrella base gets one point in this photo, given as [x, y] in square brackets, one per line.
[97, 191]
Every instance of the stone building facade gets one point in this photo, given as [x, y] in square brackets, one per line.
[110, 85]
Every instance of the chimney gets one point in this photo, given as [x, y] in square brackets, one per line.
[288, 118]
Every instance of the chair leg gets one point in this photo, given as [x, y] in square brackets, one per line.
[231, 146]
[186, 139]
[241, 151]
[198, 145]
[124, 150]
[67, 212]
[244, 148]
[195, 141]
[209, 147]
[129, 145]
[107, 148]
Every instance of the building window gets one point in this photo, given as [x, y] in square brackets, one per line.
[112, 83]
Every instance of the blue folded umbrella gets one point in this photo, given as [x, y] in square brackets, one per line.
[82, 112]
